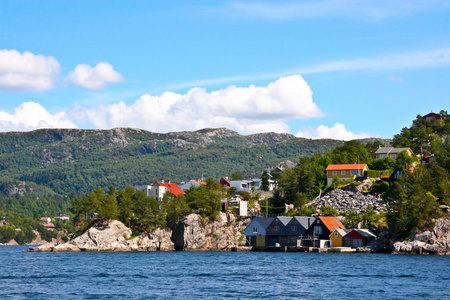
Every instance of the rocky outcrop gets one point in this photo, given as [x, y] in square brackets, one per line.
[351, 200]
[428, 242]
[192, 233]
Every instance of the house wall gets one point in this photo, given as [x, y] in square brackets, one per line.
[347, 175]
[248, 231]
[336, 241]
[271, 229]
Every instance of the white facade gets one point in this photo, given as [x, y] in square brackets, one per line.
[246, 185]
[190, 183]
[156, 191]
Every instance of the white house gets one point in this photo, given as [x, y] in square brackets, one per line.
[248, 185]
[159, 189]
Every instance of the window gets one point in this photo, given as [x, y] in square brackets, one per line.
[276, 228]
[354, 172]
[342, 172]
[335, 234]
[393, 155]
[255, 229]
[317, 229]
[293, 228]
[334, 172]
[381, 155]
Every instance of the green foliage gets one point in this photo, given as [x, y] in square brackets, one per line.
[25, 235]
[328, 211]
[7, 233]
[380, 187]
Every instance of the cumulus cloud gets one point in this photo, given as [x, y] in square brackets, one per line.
[27, 71]
[245, 109]
[94, 78]
[337, 132]
[31, 115]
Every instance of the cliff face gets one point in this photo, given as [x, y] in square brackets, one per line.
[189, 234]
[428, 242]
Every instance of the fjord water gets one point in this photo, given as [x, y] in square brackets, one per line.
[237, 275]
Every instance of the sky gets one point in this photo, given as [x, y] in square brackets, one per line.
[341, 69]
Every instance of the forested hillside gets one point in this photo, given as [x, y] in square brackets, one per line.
[62, 161]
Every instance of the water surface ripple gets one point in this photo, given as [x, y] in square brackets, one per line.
[218, 275]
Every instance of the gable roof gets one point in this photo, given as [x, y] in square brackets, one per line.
[264, 221]
[199, 182]
[305, 221]
[341, 232]
[332, 223]
[386, 150]
[360, 233]
[284, 220]
[172, 187]
[338, 167]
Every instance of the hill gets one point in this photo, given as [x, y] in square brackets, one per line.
[61, 161]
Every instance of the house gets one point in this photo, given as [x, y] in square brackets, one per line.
[159, 189]
[336, 237]
[432, 116]
[358, 238]
[345, 171]
[242, 185]
[62, 217]
[79, 224]
[255, 232]
[276, 231]
[248, 185]
[190, 183]
[225, 182]
[296, 229]
[46, 219]
[322, 227]
[390, 152]
[49, 226]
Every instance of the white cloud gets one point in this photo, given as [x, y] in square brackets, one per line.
[337, 132]
[94, 78]
[244, 109]
[27, 71]
[31, 115]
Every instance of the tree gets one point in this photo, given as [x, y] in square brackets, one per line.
[126, 205]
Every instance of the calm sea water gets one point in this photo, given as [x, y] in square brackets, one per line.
[216, 275]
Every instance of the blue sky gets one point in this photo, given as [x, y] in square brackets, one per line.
[339, 69]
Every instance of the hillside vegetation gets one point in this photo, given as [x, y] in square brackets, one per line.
[42, 170]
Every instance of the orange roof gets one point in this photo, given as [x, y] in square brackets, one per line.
[199, 182]
[332, 223]
[172, 187]
[347, 167]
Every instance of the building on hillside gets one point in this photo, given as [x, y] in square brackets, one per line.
[336, 237]
[345, 171]
[190, 183]
[358, 238]
[432, 116]
[248, 185]
[225, 182]
[160, 188]
[390, 152]
[46, 219]
[49, 226]
[62, 217]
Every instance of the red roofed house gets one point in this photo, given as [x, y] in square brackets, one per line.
[46, 219]
[432, 116]
[49, 226]
[345, 171]
[160, 188]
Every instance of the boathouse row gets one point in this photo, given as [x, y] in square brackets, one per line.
[263, 232]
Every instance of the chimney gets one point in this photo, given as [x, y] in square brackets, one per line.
[169, 181]
[162, 180]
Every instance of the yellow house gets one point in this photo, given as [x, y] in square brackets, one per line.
[336, 237]
[391, 152]
[345, 171]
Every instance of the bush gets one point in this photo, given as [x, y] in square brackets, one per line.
[328, 211]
